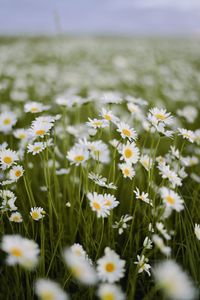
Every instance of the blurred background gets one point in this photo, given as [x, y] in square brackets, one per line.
[106, 17]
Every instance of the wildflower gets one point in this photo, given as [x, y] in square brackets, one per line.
[142, 196]
[21, 134]
[146, 162]
[174, 281]
[126, 132]
[16, 217]
[110, 267]
[36, 147]
[47, 289]
[7, 121]
[99, 151]
[127, 170]
[108, 291]
[97, 203]
[78, 155]
[189, 112]
[16, 172]
[187, 134]
[158, 241]
[62, 171]
[162, 230]
[171, 199]
[97, 123]
[108, 115]
[35, 107]
[79, 264]
[157, 116]
[147, 243]
[101, 181]
[9, 199]
[169, 174]
[197, 231]
[37, 213]
[130, 153]
[8, 158]
[143, 265]
[20, 251]
[122, 224]
[40, 128]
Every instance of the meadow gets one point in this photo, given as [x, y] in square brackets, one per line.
[99, 168]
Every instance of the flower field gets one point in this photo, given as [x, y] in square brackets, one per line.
[99, 168]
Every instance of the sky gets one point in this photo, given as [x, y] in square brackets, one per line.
[119, 17]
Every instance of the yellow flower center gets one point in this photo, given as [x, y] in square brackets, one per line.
[18, 173]
[6, 121]
[110, 267]
[107, 117]
[96, 205]
[34, 109]
[22, 136]
[16, 218]
[126, 172]
[35, 215]
[40, 132]
[108, 203]
[98, 123]
[126, 132]
[47, 296]
[108, 296]
[36, 148]
[79, 158]
[128, 153]
[7, 160]
[170, 200]
[16, 252]
[160, 116]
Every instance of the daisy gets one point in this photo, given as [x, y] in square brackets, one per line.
[130, 153]
[35, 107]
[110, 201]
[16, 172]
[143, 265]
[110, 267]
[169, 174]
[142, 196]
[101, 181]
[40, 128]
[126, 132]
[8, 158]
[197, 231]
[36, 147]
[9, 199]
[162, 230]
[147, 243]
[21, 134]
[16, 217]
[146, 162]
[47, 289]
[157, 116]
[108, 115]
[174, 282]
[20, 251]
[80, 265]
[97, 203]
[37, 213]
[99, 151]
[7, 121]
[122, 224]
[127, 170]
[135, 110]
[97, 123]
[187, 134]
[171, 199]
[78, 155]
[108, 291]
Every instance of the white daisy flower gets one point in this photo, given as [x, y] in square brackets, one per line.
[110, 267]
[130, 153]
[36, 147]
[16, 217]
[8, 158]
[147, 243]
[78, 155]
[142, 196]
[171, 199]
[21, 134]
[143, 265]
[162, 230]
[169, 174]
[146, 162]
[174, 281]
[20, 251]
[157, 116]
[126, 132]
[99, 151]
[108, 116]
[7, 121]
[108, 291]
[127, 170]
[158, 241]
[97, 123]
[37, 213]
[97, 204]
[187, 134]
[35, 107]
[110, 201]
[16, 172]
[122, 224]
[47, 289]
[9, 199]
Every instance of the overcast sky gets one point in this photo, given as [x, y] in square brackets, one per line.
[100, 16]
